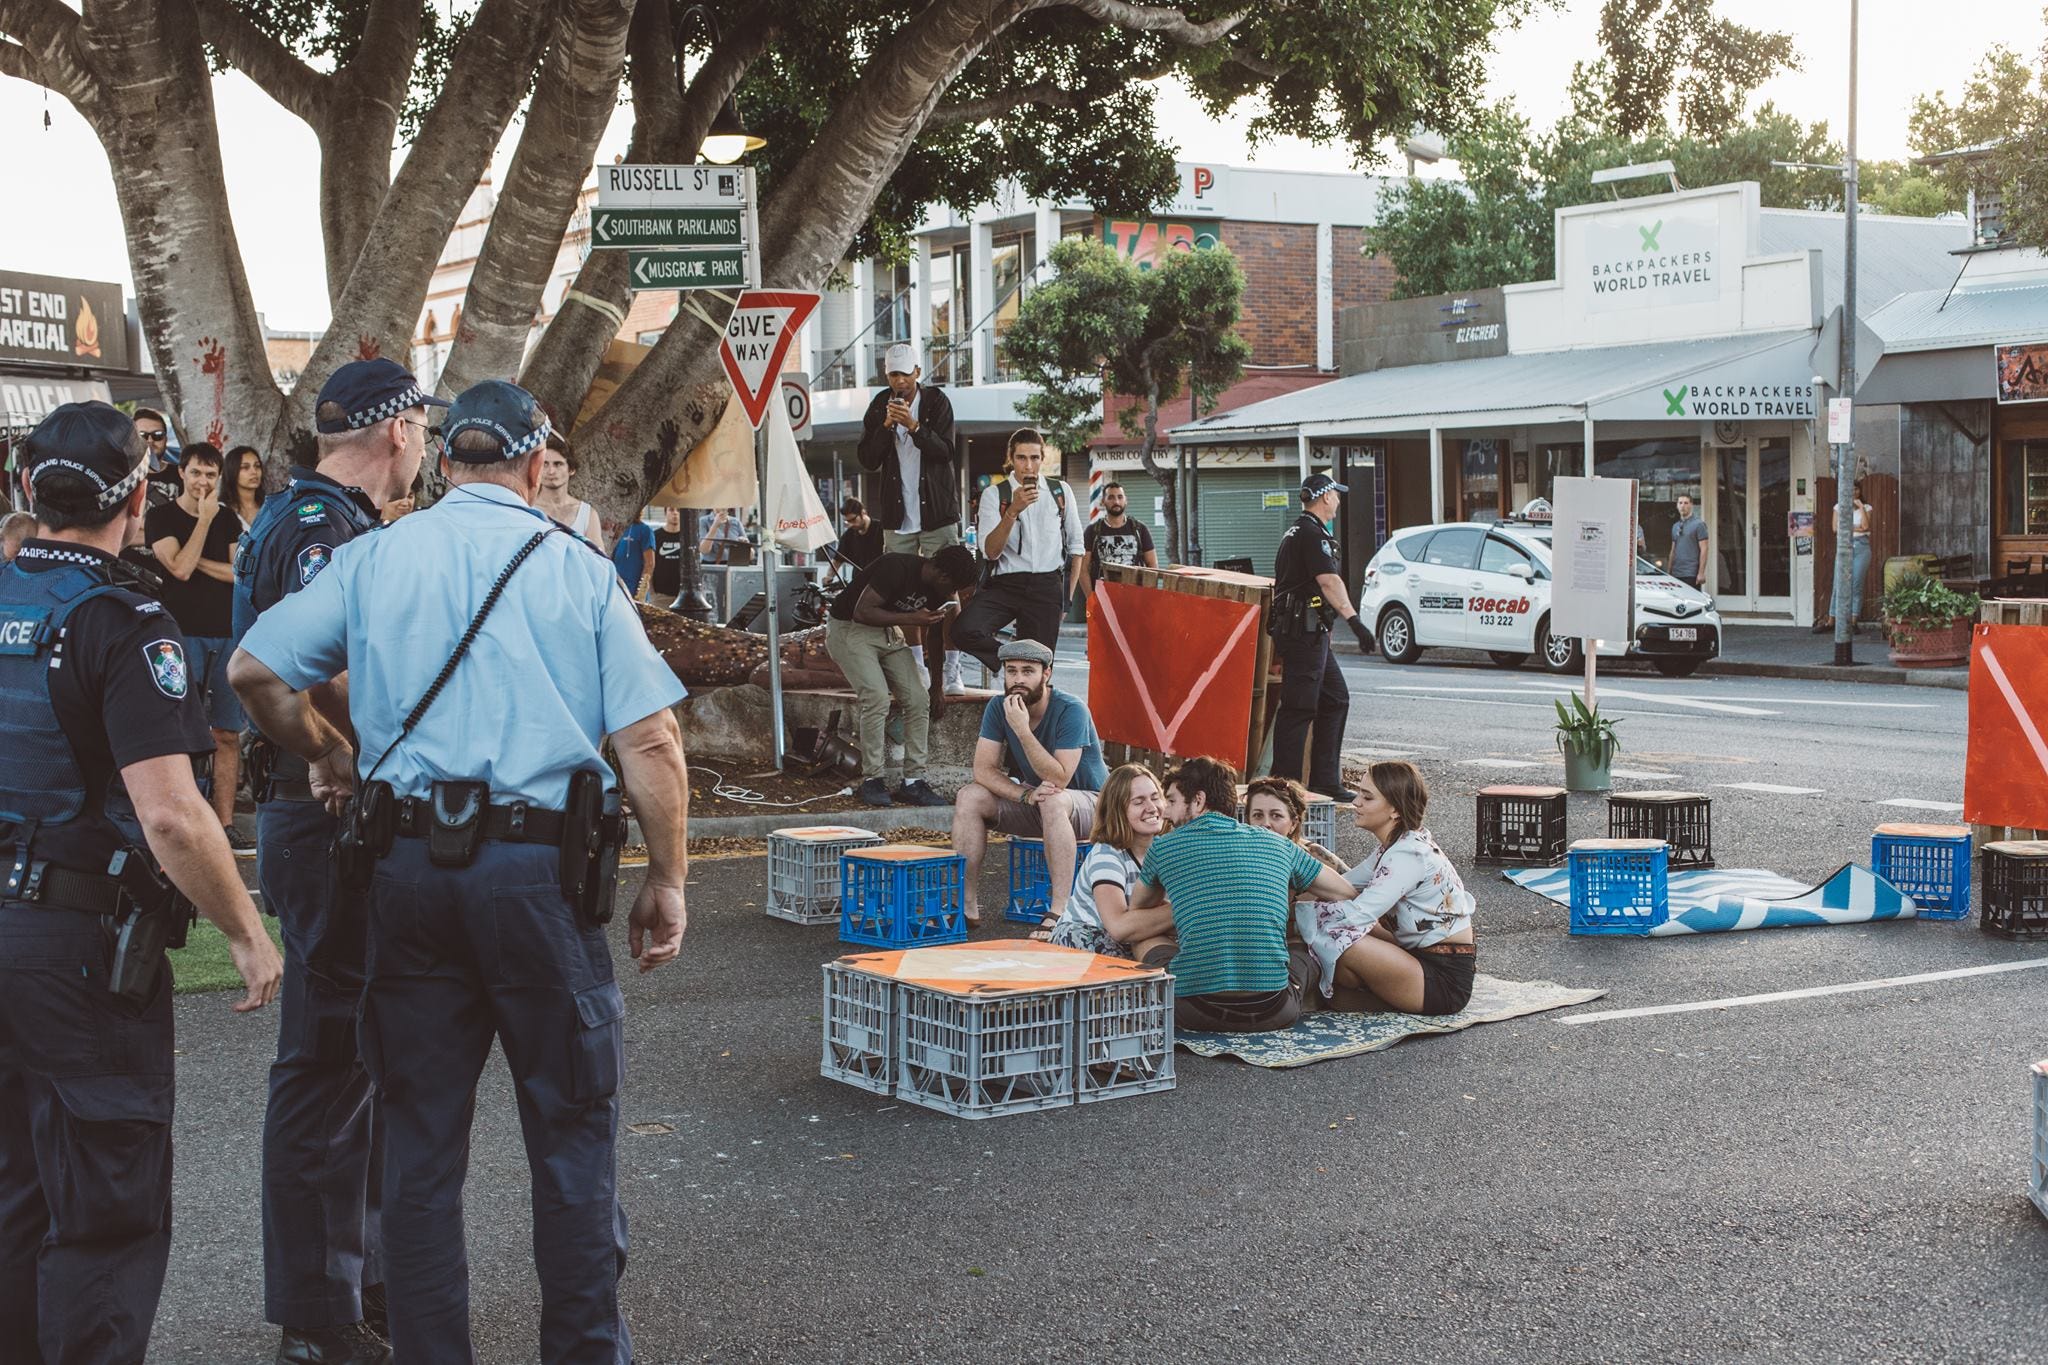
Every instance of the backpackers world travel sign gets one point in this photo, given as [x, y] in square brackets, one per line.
[1662, 255]
[53, 321]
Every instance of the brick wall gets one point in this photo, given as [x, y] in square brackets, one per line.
[1279, 261]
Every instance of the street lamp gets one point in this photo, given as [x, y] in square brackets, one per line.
[726, 142]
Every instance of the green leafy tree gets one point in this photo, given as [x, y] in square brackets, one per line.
[874, 110]
[1101, 328]
[2002, 110]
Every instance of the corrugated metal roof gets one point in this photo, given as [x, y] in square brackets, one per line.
[1936, 320]
[1894, 255]
[1502, 383]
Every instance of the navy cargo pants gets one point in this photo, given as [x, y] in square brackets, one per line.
[321, 1239]
[459, 956]
[86, 1090]
[1313, 694]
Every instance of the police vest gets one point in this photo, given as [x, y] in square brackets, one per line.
[40, 780]
[259, 583]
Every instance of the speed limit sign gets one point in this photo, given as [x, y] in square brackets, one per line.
[796, 396]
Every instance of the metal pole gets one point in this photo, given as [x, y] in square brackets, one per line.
[1194, 482]
[770, 558]
[1845, 452]
[1592, 669]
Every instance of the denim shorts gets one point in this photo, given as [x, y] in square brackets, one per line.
[208, 665]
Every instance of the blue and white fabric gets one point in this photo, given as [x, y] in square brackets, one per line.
[1719, 900]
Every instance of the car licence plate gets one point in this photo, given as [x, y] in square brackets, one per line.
[1687, 634]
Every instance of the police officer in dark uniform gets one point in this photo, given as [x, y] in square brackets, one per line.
[484, 804]
[322, 1241]
[1308, 595]
[99, 725]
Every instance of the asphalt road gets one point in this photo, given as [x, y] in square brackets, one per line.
[1837, 1177]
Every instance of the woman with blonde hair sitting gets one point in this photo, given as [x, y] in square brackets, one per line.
[1281, 805]
[1405, 942]
[1099, 917]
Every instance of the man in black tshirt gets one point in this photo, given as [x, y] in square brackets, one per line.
[668, 560]
[193, 541]
[860, 539]
[1116, 538]
[864, 636]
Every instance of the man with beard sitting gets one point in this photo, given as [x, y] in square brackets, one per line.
[1037, 770]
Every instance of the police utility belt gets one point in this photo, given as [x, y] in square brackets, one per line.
[135, 899]
[458, 817]
[1297, 612]
[277, 774]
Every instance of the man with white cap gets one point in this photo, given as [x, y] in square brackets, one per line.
[907, 443]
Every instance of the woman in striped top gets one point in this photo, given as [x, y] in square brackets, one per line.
[1099, 917]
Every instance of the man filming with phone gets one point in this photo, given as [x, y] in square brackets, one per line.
[906, 442]
[1029, 526]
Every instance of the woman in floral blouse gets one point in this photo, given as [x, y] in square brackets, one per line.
[1405, 941]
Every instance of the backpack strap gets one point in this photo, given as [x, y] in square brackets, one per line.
[1004, 488]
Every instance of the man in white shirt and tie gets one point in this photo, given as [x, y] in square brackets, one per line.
[1029, 527]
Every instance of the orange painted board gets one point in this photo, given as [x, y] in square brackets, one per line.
[825, 833]
[899, 853]
[998, 967]
[1910, 831]
[1177, 675]
[2005, 768]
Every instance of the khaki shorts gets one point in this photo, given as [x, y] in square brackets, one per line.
[1022, 821]
[927, 542]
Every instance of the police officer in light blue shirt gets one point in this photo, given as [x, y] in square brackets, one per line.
[489, 655]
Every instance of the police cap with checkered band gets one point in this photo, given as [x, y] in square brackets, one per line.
[502, 409]
[95, 444]
[368, 392]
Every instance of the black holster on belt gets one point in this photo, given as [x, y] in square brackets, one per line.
[367, 829]
[593, 833]
[1299, 613]
[456, 830]
[154, 916]
[259, 762]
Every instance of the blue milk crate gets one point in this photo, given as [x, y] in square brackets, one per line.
[1619, 886]
[1930, 863]
[902, 896]
[1030, 883]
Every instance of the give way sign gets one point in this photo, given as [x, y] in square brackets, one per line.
[763, 325]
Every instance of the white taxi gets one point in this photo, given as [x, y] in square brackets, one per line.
[1486, 585]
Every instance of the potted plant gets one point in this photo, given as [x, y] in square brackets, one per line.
[1927, 622]
[1588, 742]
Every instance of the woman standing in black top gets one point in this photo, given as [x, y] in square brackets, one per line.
[668, 559]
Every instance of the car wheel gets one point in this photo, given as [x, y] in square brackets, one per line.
[1507, 658]
[1676, 668]
[1397, 637]
[1560, 653]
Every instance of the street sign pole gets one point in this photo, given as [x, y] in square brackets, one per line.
[1846, 589]
[771, 557]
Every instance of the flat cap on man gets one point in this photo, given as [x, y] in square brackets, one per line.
[1029, 651]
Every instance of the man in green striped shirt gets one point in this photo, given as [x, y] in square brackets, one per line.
[1232, 887]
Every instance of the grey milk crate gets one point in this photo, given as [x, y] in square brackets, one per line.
[1320, 824]
[860, 1030]
[2040, 1176]
[803, 870]
[1124, 1039]
[977, 1058]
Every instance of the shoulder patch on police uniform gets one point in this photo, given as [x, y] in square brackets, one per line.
[166, 659]
[312, 560]
[148, 606]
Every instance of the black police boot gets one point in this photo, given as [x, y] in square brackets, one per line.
[354, 1344]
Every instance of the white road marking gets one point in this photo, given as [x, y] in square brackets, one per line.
[1631, 694]
[1771, 787]
[1381, 751]
[1631, 772]
[1502, 763]
[1831, 704]
[1849, 988]
[1910, 804]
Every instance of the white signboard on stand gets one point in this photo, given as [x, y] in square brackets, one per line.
[1592, 559]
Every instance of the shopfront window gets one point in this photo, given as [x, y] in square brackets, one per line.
[1546, 463]
[1663, 467]
[1479, 480]
[2025, 497]
[1007, 265]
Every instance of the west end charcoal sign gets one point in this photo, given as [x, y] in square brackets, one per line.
[51, 321]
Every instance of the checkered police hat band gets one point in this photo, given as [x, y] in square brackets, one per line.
[383, 412]
[513, 448]
[109, 494]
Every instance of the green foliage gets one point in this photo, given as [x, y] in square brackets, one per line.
[1099, 318]
[1679, 51]
[327, 35]
[1917, 602]
[2003, 108]
[1585, 730]
[1895, 187]
[1497, 226]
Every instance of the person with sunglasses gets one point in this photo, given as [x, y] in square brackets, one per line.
[166, 480]
[322, 1226]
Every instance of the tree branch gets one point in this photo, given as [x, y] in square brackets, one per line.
[277, 72]
[18, 62]
[46, 34]
[1044, 94]
[1170, 23]
[357, 134]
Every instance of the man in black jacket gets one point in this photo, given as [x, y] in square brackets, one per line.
[907, 443]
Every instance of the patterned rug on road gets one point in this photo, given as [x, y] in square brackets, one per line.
[1328, 1035]
[1721, 899]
